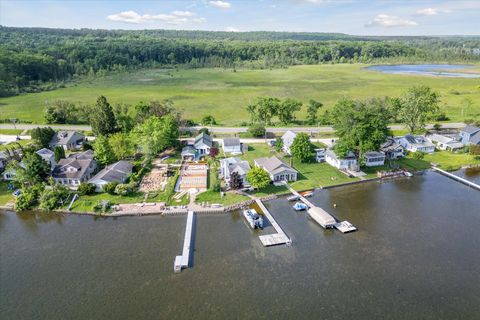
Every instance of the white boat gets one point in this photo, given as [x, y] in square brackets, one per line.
[307, 194]
[253, 218]
[293, 198]
[408, 174]
[300, 206]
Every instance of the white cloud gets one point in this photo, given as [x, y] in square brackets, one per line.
[220, 4]
[431, 11]
[385, 20]
[232, 29]
[176, 17]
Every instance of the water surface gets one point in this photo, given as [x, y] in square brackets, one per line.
[439, 70]
[415, 256]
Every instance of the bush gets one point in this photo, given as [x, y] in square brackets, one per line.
[418, 155]
[27, 200]
[53, 197]
[216, 186]
[437, 126]
[209, 120]
[86, 188]
[257, 131]
[102, 206]
[124, 189]
[110, 187]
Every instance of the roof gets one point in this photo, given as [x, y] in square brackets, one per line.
[374, 154]
[417, 140]
[475, 139]
[471, 129]
[203, 138]
[440, 138]
[88, 154]
[66, 137]
[349, 156]
[273, 165]
[289, 135]
[321, 216]
[390, 145]
[116, 172]
[45, 152]
[231, 142]
[188, 150]
[71, 168]
[236, 165]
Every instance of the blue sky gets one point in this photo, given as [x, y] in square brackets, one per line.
[360, 17]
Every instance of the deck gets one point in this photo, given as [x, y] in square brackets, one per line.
[183, 261]
[454, 177]
[275, 238]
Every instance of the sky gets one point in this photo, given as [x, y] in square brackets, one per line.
[356, 17]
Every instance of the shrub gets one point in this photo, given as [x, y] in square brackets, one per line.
[257, 131]
[124, 189]
[86, 188]
[209, 120]
[110, 187]
[437, 126]
[216, 186]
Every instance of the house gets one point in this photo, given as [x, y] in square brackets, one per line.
[3, 159]
[189, 153]
[445, 143]
[232, 145]
[231, 165]
[374, 158]
[320, 154]
[10, 173]
[278, 170]
[117, 172]
[47, 156]
[416, 144]
[349, 162]
[392, 149]
[88, 154]
[287, 140]
[71, 172]
[69, 140]
[470, 135]
[203, 143]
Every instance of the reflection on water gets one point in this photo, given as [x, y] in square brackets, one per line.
[439, 70]
[415, 256]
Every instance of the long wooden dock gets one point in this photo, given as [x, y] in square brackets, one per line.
[183, 261]
[454, 177]
[276, 238]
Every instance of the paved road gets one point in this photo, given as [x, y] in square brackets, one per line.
[453, 125]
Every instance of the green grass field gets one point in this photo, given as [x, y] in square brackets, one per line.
[225, 94]
[5, 194]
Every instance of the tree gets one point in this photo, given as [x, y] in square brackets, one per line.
[102, 118]
[53, 197]
[257, 131]
[103, 151]
[418, 105]
[312, 110]
[156, 134]
[204, 130]
[286, 110]
[360, 125]
[213, 152]
[122, 145]
[264, 109]
[278, 144]
[35, 170]
[474, 150]
[258, 178]
[86, 188]
[61, 111]
[301, 147]
[42, 136]
[59, 153]
[110, 187]
[28, 197]
[208, 120]
[124, 122]
[235, 181]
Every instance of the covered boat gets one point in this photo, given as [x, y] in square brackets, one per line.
[300, 206]
[253, 218]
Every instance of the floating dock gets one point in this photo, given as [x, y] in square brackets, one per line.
[454, 177]
[276, 238]
[183, 261]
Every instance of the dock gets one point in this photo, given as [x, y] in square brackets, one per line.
[183, 261]
[275, 238]
[454, 177]
[321, 216]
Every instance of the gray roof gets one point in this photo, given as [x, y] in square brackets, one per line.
[374, 154]
[475, 139]
[188, 150]
[203, 138]
[439, 138]
[273, 165]
[231, 142]
[71, 168]
[88, 154]
[332, 154]
[45, 152]
[471, 129]
[66, 137]
[237, 165]
[390, 145]
[116, 172]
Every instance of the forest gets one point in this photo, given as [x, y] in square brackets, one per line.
[37, 59]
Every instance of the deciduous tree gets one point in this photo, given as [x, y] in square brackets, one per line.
[418, 105]
[258, 178]
[312, 110]
[102, 118]
[301, 147]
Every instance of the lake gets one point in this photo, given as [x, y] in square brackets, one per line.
[438, 70]
[416, 256]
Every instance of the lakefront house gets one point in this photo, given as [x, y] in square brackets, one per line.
[349, 162]
[470, 135]
[416, 144]
[277, 169]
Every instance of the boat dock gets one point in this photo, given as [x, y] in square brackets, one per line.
[183, 261]
[275, 238]
[454, 177]
[321, 216]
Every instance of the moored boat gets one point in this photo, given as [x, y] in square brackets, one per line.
[253, 218]
[300, 206]
[307, 194]
[293, 198]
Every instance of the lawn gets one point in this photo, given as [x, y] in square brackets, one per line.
[14, 144]
[225, 94]
[258, 150]
[87, 202]
[451, 161]
[271, 189]
[215, 197]
[314, 175]
[11, 131]
[5, 194]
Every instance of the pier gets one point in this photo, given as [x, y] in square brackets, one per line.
[276, 238]
[183, 261]
[454, 177]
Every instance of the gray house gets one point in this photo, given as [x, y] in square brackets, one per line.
[232, 145]
[231, 165]
[470, 135]
[89, 154]
[117, 172]
[48, 156]
[69, 140]
[203, 143]
[71, 172]
[392, 149]
[287, 140]
[278, 170]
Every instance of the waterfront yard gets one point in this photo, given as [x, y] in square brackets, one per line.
[443, 159]
[5, 194]
[197, 92]
[215, 197]
[314, 175]
[87, 202]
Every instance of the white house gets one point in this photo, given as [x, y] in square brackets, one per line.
[392, 149]
[71, 172]
[116, 172]
[278, 170]
[320, 154]
[374, 158]
[287, 140]
[232, 145]
[231, 165]
[349, 162]
[470, 135]
[47, 156]
[69, 140]
[416, 144]
[444, 142]
[203, 143]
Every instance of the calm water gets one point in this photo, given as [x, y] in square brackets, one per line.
[416, 256]
[439, 70]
